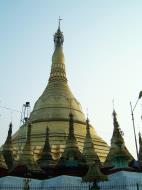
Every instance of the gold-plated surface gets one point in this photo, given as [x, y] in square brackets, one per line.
[57, 100]
[52, 109]
[58, 131]
[89, 152]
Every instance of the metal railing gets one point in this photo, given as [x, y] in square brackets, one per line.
[102, 186]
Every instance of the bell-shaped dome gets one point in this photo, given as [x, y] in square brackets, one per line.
[53, 108]
[57, 100]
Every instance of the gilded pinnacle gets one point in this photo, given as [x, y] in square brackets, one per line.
[88, 150]
[58, 37]
[71, 155]
[118, 155]
[59, 22]
[46, 152]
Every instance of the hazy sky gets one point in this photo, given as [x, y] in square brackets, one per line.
[103, 44]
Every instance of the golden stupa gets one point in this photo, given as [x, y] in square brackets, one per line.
[52, 109]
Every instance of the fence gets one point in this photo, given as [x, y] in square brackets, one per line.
[130, 186]
[133, 181]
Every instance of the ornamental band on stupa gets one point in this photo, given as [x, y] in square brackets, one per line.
[52, 109]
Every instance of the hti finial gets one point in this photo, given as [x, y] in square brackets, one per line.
[58, 36]
[59, 21]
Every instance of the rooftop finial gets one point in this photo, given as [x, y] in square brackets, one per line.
[60, 21]
[58, 36]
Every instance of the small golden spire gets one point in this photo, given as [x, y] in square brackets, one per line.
[71, 155]
[46, 160]
[7, 148]
[9, 136]
[94, 174]
[118, 155]
[88, 149]
[47, 148]
[26, 157]
[117, 133]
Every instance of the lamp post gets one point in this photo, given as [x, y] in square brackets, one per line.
[133, 121]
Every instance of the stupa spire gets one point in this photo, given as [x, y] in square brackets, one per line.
[118, 155]
[46, 160]
[72, 156]
[58, 72]
[94, 175]
[47, 147]
[7, 148]
[71, 139]
[88, 149]
[9, 136]
[117, 134]
[58, 36]
[54, 103]
[26, 158]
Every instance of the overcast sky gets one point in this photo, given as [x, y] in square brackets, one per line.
[103, 57]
